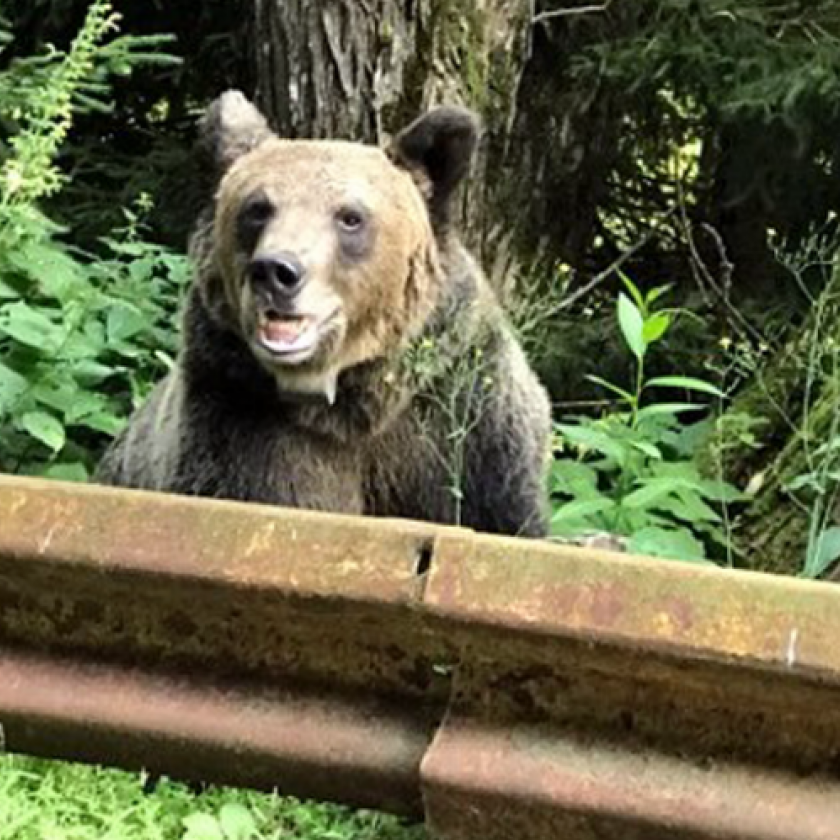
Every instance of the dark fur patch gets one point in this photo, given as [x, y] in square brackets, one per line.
[441, 144]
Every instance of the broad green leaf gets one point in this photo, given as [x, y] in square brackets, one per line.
[690, 383]
[108, 424]
[45, 428]
[124, 322]
[687, 506]
[632, 325]
[595, 440]
[8, 292]
[29, 326]
[647, 448]
[652, 492]
[237, 822]
[582, 509]
[655, 327]
[202, 827]
[90, 372]
[67, 472]
[57, 274]
[824, 553]
[573, 478]
[12, 387]
[671, 544]
[720, 491]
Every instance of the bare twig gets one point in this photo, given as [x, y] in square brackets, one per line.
[706, 279]
[607, 272]
[579, 10]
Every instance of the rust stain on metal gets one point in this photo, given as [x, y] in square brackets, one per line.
[516, 689]
[652, 605]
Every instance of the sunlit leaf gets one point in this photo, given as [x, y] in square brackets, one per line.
[632, 325]
[45, 428]
[824, 554]
[671, 544]
[690, 383]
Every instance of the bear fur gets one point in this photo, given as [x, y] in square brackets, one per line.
[342, 351]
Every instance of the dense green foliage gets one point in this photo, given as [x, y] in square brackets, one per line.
[637, 477]
[42, 800]
[82, 335]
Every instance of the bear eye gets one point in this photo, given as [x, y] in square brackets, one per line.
[350, 219]
[257, 212]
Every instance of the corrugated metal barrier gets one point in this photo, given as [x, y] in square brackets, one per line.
[502, 689]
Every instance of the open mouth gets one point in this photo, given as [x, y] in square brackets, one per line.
[286, 335]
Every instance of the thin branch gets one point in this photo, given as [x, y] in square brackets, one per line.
[703, 274]
[607, 272]
[580, 10]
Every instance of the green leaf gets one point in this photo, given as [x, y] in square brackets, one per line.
[67, 472]
[634, 290]
[625, 395]
[582, 509]
[56, 273]
[8, 292]
[573, 479]
[12, 387]
[688, 507]
[124, 322]
[667, 409]
[690, 383]
[655, 327]
[670, 544]
[202, 827]
[652, 492]
[29, 326]
[824, 554]
[90, 372]
[103, 422]
[593, 439]
[237, 822]
[654, 294]
[720, 491]
[45, 428]
[632, 325]
[647, 448]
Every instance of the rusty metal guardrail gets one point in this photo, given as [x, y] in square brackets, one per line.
[500, 688]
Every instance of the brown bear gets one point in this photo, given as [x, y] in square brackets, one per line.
[342, 351]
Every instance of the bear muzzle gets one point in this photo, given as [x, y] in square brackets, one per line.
[278, 277]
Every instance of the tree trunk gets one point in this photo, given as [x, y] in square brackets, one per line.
[362, 69]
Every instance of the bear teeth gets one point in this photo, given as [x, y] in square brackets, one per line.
[284, 332]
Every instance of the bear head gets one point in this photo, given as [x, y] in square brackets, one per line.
[324, 255]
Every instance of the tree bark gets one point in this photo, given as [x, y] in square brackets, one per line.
[362, 69]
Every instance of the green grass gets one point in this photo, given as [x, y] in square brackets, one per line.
[44, 800]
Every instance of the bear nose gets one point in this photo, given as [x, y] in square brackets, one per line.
[280, 273]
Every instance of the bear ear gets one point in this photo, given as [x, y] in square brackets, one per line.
[232, 127]
[441, 144]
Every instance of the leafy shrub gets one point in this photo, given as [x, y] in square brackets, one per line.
[631, 471]
[81, 335]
